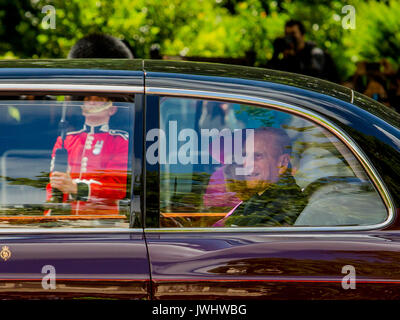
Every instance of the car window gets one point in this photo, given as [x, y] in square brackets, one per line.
[234, 165]
[65, 161]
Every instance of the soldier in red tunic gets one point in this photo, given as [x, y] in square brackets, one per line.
[97, 163]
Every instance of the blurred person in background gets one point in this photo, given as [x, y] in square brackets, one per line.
[378, 81]
[293, 54]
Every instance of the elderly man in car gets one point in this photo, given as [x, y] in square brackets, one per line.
[269, 192]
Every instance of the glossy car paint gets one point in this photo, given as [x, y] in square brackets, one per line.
[274, 265]
[212, 264]
[86, 266]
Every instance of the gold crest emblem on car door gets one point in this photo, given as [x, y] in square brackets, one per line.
[5, 253]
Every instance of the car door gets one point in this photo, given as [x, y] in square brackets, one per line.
[332, 246]
[75, 246]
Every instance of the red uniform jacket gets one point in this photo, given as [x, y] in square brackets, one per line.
[97, 162]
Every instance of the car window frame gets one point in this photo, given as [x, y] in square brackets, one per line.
[67, 89]
[302, 112]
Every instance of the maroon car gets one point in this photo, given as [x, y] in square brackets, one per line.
[175, 180]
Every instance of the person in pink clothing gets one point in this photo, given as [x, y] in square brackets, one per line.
[216, 194]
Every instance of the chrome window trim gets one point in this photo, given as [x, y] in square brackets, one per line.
[308, 114]
[18, 87]
[67, 230]
[69, 87]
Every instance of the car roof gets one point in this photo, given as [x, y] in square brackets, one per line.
[182, 67]
[249, 73]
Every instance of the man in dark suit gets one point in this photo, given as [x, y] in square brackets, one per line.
[274, 197]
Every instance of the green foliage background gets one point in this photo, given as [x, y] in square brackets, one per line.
[206, 28]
